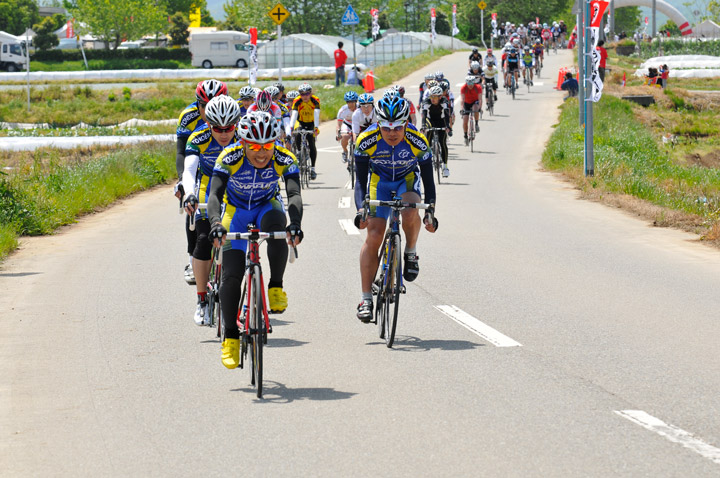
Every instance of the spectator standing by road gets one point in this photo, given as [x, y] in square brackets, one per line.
[603, 59]
[340, 59]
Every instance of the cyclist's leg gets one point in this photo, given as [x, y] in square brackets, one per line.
[477, 106]
[272, 218]
[369, 252]
[313, 149]
[233, 271]
[465, 118]
[410, 192]
[442, 137]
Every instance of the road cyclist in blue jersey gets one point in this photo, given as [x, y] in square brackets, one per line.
[246, 179]
[203, 147]
[246, 98]
[391, 156]
[190, 118]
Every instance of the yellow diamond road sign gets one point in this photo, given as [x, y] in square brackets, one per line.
[482, 5]
[278, 13]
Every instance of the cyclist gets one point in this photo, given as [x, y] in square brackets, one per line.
[424, 86]
[264, 102]
[546, 35]
[528, 61]
[539, 52]
[401, 92]
[475, 56]
[391, 156]
[281, 88]
[490, 75]
[203, 147]
[364, 116]
[343, 131]
[563, 33]
[556, 34]
[471, 97]
[245, 177]
[512, 66]
[475, 71]
[436, 114]
[246, 98]
[276, 95]
[306, 110]
[490, 57]
[190, 118]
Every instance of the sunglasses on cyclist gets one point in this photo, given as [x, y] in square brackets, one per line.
[305, 94]
[218, 129]
[387, 129]
[258, 146]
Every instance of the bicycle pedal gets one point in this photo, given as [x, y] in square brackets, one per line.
[403, 289]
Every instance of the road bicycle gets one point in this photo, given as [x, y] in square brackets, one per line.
[214, 280]
[513, 84]
[351, 161]
[388, 283]
[303, 156]
[538, 66]
[490, 98]
[526, 77]
[253, 320]
[471, 127]
[436, 150]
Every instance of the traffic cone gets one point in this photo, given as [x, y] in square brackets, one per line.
[561, 77]
[369, 82]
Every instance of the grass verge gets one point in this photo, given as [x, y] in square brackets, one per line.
[51, 192]
[631, 163]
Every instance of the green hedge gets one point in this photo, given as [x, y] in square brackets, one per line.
[182, 54]
[680, 47]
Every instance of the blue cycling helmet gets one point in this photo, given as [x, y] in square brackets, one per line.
[351, 96]
[392, 111]
[366, 98]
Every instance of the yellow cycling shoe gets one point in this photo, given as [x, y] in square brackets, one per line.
[231, 353]
[278, 300]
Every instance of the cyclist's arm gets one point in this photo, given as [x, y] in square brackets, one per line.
[295, 208]
[316, 118]
[217, 190]
[293, 118]
[180, 155]
[362, 169]
[190, 173]
[426, 172]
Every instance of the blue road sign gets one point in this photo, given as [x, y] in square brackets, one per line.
[350, 17]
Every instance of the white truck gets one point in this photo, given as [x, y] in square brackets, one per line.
[12, 53]
[224, 48]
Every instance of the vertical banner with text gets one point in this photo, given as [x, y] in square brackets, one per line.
[597, 10]
[70, 31]
[253, 56]
[455, 29]
[433, 35]
[374, 13]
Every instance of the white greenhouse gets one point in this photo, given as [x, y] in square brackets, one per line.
[304, 49]
[400, 45]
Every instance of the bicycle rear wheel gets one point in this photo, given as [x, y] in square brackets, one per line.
[471, 131]
[257, 331]
[437, 160]
[392, 302]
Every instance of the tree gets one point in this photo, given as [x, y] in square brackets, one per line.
[243, 14]
[114, 21]
[671, 27]
[17, 15]
[178, 31]
[442, 26]
[627, 19]
[45, 37]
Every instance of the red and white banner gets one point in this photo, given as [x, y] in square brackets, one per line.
[455, 29]
[433, 35]
[70, 30]
[597, 10]
[494, 16]
[253, 56]
[374, 13]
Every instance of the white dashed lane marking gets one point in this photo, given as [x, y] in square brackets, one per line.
[672, 433]
[474, 325]
[348, 225]
[344, 202]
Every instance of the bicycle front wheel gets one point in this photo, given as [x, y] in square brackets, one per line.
[392, 296]
[257, 331]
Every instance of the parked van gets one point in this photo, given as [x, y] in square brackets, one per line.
[12, 53]
[225, 48]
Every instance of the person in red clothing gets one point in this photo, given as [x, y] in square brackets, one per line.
[471, 95]
[603, 59]
[340, 59]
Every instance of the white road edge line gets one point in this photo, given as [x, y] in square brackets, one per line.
[344, 202]
[348, 185]
[474, 325]
[672, 433]
[348, 226]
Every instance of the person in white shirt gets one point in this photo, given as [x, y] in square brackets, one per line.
[343, 131]
[364, 116]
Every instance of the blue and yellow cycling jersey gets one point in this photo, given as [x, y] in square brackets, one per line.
[392, 163]
[285, 111]
[528, 59]
[189, 120]
[202, 144]
[248, 186]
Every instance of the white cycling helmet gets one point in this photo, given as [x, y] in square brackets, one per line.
[247, 93]
[305, 88]
[222, 111]
[259, 127]
[273, 90]
[470, 80]
[475, 65]
[435, 91]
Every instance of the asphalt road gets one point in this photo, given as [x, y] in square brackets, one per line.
[589, 346]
